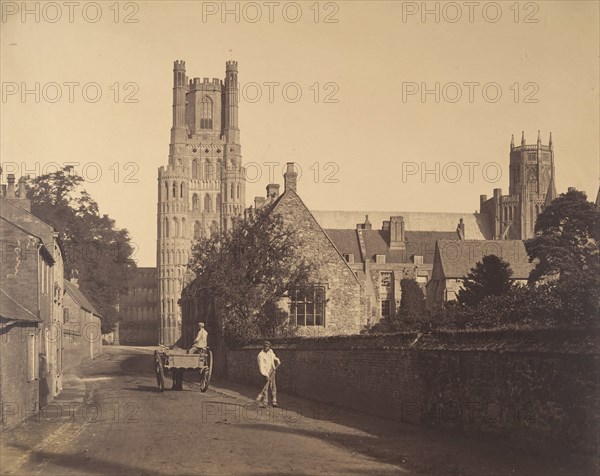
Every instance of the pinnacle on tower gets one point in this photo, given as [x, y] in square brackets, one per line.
[522, 137]
[512, 141]
[551, 192]
[550, 140]
[539, 139]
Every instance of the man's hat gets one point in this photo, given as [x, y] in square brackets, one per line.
[267, 343]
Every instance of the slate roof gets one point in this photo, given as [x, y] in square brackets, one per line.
[476, 226]
[420, 243]
[80, 298]
[458, 257]
[11, 309]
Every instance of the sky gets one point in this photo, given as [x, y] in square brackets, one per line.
[400, 106]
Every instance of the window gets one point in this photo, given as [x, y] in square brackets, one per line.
[307, 308]
[386, 308]
[380, 259]
[66, 314]
[349, 257]
[422, 279]
[206, 113]
[417, 259]
[385, 282]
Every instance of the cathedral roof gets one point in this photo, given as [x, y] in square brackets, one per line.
[144, 278]
[476, 227]
[458, 257]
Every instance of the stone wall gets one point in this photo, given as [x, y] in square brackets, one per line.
[537, 388]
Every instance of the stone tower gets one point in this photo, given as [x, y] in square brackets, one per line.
[203, 187]
[531, 188]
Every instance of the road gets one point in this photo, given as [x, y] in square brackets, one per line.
[111, 419]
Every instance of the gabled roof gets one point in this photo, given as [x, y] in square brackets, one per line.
[80, 298]
[419, 243]
[458, 257]
[476, 227]
[290, 192]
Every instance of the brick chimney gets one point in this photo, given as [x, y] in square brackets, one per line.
[259, 202]
[23, 201]
[272, 191]
[10, 189]
[397, 235]
[291, 177]
[366, 225]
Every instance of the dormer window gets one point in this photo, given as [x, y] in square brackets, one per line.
[380, 259]
[349, 257]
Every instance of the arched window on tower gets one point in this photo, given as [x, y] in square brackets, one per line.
[166, 190]
[195, 202]
[181, 190]
[197, 230]
[510, 212]
[207, 204]
[174, 194]
[206, 113]
[218, 202]
[183, 230]
[175, 228]
[195, 169]
[232, 192]
[237, 191]
[505, 213]
[166, 228]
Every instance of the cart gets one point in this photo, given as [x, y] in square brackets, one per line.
[177, 362]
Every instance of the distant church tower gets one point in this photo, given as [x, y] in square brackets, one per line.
[203, 187]
[531, 189]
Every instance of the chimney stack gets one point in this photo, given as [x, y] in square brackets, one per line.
[272, 191]
[397, 235]
[10, 190]
[291, 177]
[259, 202]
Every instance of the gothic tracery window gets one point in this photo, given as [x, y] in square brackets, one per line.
[206, 113]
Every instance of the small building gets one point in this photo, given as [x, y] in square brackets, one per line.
[82, 334]
[454, 260]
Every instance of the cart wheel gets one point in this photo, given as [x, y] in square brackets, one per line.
[159, 370]
[206, 374]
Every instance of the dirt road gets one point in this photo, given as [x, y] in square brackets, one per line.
[111, 419]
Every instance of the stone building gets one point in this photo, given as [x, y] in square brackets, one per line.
[382, 258]
[454, 260]
[203, 186]
[531, 188]
[138, 309]
[334, 304]
[32, 287]
[82, 332]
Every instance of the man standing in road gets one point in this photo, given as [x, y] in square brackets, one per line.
[267, 365]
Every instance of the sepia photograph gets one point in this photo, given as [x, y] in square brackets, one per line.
[352, 237]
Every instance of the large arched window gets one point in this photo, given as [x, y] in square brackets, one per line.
[206, 113]
[174, 194]
[181, 190]
[195, 202]
[195, 169]
[207, 203]
[232, 196]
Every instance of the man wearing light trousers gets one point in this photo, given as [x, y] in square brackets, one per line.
[267, 365]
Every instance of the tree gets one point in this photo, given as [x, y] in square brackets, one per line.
[566, 239]
[97, 252]
[566, 249]
[489, 277]
[412, 301]
[248, 270]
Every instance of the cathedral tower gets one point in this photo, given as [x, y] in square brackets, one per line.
[203, 186]
[531, 188]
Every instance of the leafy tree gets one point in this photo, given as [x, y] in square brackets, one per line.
[412, 300]
[248, 270]
[489, 277]
[567, 237]
[96, 252]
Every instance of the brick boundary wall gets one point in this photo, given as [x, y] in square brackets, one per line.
[538, 388]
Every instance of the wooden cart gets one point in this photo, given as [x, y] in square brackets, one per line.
[177, 362]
